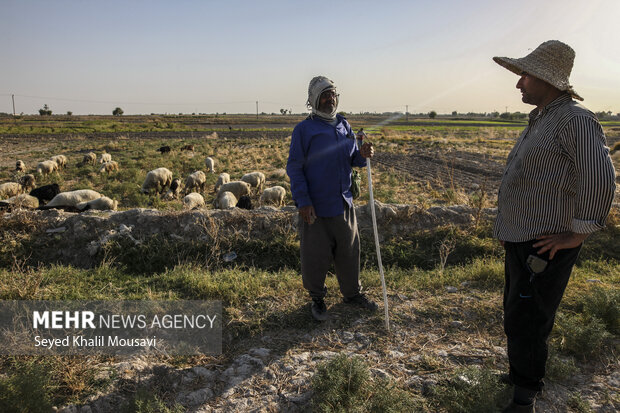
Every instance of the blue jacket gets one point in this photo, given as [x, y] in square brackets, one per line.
[319, 165]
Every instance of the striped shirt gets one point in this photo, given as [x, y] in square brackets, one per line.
[558, 177]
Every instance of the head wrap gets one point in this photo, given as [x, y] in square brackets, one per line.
[318, 85]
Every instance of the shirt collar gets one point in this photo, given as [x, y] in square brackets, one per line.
[560, 100]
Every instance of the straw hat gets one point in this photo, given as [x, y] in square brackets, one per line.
[552, 62]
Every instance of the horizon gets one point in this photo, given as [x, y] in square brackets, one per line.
[208, 57]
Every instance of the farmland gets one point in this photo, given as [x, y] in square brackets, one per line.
[446, 345]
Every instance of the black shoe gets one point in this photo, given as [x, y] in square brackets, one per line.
[519, 408]
[362, 301]
[319, 310]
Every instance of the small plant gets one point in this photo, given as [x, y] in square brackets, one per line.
[560, 368]
[144, 401]
[576, 402]
[603, 304]
[26, 387]
[581, 336]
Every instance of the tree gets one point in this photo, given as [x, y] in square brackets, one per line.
[117, 112]
[69, 113]
[45, 111]
[454, 113]
[283, 111]
[432, 114]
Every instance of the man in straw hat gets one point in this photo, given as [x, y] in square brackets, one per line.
[321, 155]
[557, 189]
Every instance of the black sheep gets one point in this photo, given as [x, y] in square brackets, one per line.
[244, 202]
[45, 193]
[164, 149]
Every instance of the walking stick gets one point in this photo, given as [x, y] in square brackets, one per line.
[376, 232]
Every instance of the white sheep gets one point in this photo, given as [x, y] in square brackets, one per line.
[255, 179]
[89, 158]
[224, 178]
[103, 204]
[73, 198]
[47, 167]
[196, 180]
[275, 195]
[193, 200]
[210, 163]
[20, 166]
[61, 161]
[105, 157]
[28, 182]
[108, 167]
[23, 201]
[238, 188]
[225, 200]
[174, 191]
[157, 179]
[10, 189]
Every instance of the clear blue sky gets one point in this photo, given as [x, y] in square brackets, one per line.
[223, 56]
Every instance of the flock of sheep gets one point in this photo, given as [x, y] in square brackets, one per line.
[229, 194]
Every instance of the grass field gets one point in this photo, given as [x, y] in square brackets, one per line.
[444, 351]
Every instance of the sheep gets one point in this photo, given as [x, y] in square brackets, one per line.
[164, 149]
[224, 178]
[46, 167]
[255, 179]
[105, 157]
[225, 200]
[89, 158]
[103, 204]
[156, 179]
[188, 148]
[210, 163]
[238, 188]
[244, 202]
[193, 200]
[20, 166]
[274, 194]
[21, 201]
[197, 179]
[175, 189]
[45, 193]
[108, 167]
[10, 189]
[72, 199]
[28, 182]
[61, 161]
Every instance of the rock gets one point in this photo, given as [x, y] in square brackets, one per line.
[203, 372]
[451, 289]
[260, 352]
[456, 324]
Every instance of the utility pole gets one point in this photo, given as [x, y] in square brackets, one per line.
[407, 113]
[257, 109]
[13, 98]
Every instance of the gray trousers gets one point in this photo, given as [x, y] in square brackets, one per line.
[334, 239]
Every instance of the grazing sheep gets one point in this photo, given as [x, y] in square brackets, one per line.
[72, 198]
[255, 179]
[20, 166]
[46, 167]
[61, 161]
[105, 157]
[45, 193]
[244, 202]
[193, 200]
[28, 182]
[157, 179]
[210, 163]
[224, 178]
[164, 149]
[197, 180]
[238, 188]
[108, 167]
[225, 200]
[175, 189]
[89, 158]
[21, 201]
[273, 195]
[103, 204]
[188, 148]
[10, 189]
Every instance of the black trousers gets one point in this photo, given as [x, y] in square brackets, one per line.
[532, 293]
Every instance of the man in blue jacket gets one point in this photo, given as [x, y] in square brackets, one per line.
[323, 151]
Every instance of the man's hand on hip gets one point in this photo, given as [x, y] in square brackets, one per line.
[307, 214]
[555, 242]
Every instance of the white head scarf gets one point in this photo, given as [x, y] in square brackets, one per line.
[318, 85]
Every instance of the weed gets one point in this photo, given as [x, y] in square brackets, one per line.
[603, 304]
[576, 402]
[144, 401]
[581, 336]
[27, 387]
[560, 368]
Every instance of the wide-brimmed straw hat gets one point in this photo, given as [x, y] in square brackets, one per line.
[552, 62]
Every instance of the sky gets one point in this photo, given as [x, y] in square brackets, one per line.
[189, 56]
